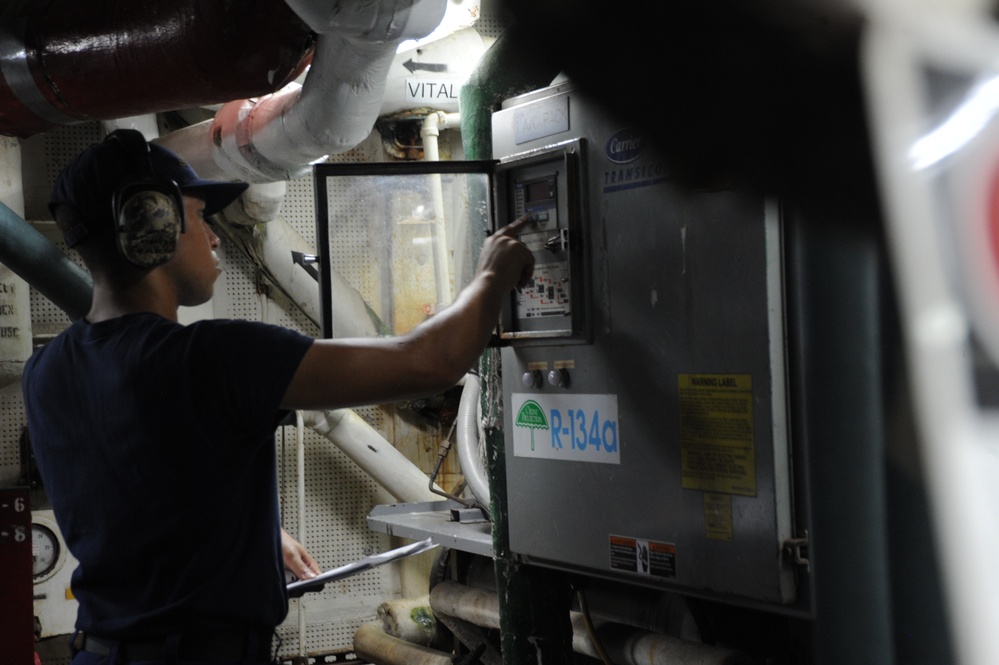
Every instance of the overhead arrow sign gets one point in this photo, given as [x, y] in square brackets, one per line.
[425, 66]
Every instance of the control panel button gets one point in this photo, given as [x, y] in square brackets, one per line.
[559, 378]
[531, 379]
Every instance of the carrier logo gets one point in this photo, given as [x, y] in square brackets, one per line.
[624, 146]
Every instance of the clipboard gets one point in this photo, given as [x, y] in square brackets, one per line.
[300, 587]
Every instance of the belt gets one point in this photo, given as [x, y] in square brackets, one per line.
[216, 646]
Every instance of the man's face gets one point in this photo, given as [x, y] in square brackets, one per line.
[195, 266]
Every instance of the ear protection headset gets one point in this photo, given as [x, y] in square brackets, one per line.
[148, 210]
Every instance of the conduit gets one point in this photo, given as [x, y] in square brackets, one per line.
[468, 437]
[430, 132]
[64, 62]
[370, 451]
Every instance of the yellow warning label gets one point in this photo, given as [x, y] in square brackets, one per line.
[718, 516]
[717, 445]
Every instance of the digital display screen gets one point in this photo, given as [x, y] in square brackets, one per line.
[539, 190]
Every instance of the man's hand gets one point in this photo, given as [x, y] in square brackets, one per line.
[297, 559]
[506, 257]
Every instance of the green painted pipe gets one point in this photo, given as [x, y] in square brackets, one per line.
[33, 258]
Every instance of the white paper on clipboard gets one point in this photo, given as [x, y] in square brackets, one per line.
[301, 586]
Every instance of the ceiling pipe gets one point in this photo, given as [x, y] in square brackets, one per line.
[64, 62]
[278, 136]
[40, 263]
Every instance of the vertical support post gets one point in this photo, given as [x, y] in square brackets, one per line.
[533, 604]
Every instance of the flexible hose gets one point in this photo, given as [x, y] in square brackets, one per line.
[468, 440]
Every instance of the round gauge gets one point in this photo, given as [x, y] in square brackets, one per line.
[45, 550]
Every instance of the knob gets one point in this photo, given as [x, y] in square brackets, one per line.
[531, 379]
[559, 378]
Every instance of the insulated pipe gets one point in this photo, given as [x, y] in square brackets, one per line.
[146, 124]
[409, 619]
[373, 645]
[629, 646]
[278, 243]
[467, 435]
[277, 136]
[386, 21]
[63, 62]
[272, 248]
[370, 451]
[261, 202]
[626, 645]
[477, 606]
[40, 263]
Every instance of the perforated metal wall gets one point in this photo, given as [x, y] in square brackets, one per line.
[492, 20]
[13, 419]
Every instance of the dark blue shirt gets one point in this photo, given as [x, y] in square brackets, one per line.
[155, 445]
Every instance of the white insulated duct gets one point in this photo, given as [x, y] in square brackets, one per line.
[15, 301]
[276, 137]
[146, 124]
[278, 240]
[372, 21]
[370, 451]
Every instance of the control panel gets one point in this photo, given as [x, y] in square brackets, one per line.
[546, 186]
[644, 406]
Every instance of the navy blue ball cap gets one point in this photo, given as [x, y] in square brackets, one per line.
[89, 182]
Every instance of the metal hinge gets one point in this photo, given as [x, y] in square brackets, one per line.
[796, 551]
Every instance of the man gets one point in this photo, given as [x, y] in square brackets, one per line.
[155, 440]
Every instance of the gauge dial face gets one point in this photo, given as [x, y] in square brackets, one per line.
[44, 550]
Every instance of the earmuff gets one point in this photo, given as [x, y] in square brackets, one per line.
[148, 210]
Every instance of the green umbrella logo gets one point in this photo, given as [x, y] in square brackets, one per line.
[531, 416]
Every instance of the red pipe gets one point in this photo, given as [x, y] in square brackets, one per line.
[64, 62]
